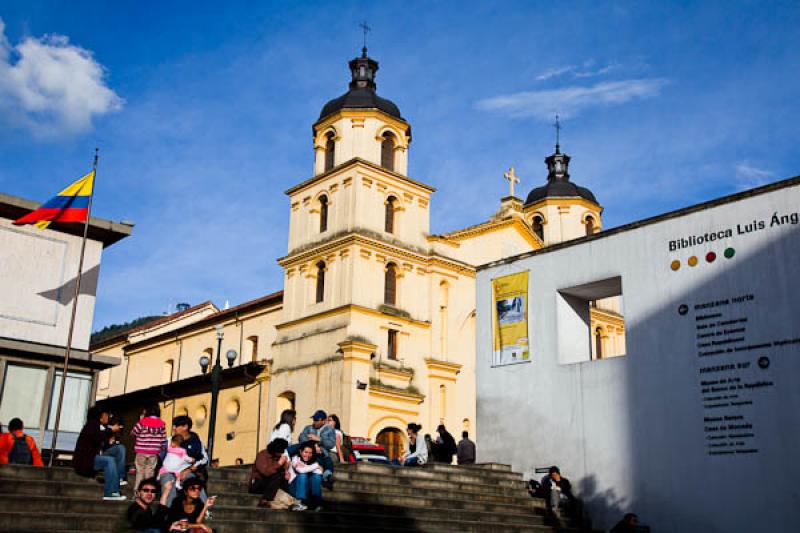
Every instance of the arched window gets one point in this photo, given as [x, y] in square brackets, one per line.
[390, 209]
[598, 343]
[323, 214]
[390, 284]
[320, 281]
[538, 228]
[589, 226]
[330, 151]
[391, 347]
[387, 151]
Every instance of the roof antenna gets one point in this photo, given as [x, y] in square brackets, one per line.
[366, 30]
[557, 125]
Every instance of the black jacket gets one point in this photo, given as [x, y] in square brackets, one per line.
[148, 518]
[90, 444]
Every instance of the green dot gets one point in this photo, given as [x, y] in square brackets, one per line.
[729, 252]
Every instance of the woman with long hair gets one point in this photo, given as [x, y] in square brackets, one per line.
[307, 484]
[283, 429]
[418, 450]
[188, 511]
[336, 451]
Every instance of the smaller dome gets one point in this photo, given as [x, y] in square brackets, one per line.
[558, 184]
[559, 189]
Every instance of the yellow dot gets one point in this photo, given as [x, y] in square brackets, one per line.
[692, 261]
[675, 265]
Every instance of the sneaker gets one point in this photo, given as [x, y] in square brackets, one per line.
[318, 508]
[123, 483]
[115, 497]
[297, 507]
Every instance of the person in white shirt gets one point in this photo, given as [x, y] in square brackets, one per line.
[283, 429]
[418, 450]
[307, 483]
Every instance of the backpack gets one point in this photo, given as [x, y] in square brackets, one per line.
[20, 453]
[347, 447]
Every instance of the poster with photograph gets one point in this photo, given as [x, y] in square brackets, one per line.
[510, 320]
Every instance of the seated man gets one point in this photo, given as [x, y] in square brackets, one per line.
[324, 436]
[88, 456]
[556, 491]
[145, 516]
[17, 448]
[270, 472]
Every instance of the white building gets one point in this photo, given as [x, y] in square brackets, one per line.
[38, 270]
[696, 427]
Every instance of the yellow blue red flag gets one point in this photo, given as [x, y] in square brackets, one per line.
[70, 205]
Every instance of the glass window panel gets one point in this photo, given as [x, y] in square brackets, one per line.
[76, 401]
[23, 394]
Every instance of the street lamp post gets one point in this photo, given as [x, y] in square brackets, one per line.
[216, 377]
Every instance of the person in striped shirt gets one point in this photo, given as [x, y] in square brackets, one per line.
[150, 438]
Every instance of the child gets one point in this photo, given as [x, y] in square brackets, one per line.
[177, 461]
[307, 484]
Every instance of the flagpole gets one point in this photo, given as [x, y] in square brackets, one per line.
[68, 350]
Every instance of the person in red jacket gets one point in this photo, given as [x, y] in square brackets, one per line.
[18, 448]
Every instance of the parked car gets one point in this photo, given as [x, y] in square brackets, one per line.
[365, 450]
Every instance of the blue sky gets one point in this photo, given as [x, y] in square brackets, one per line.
[203, 115]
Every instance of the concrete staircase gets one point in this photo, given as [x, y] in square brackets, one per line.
[367, 497]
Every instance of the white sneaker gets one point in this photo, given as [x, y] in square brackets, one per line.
[115, 497]
[298, 507]
[123, 483]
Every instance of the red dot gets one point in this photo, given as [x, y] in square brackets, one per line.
[710, 256]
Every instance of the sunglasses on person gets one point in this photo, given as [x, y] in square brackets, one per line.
[193, 487]
[148, 491]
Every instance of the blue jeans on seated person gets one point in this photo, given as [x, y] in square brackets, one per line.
[324, 460]
[108, 465]
[307, 488]
[412, 461]
[117, 451]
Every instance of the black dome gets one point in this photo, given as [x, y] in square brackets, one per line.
[361, 98]
[362, 93]
[560, 189]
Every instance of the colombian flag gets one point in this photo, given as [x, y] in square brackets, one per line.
[71, 205]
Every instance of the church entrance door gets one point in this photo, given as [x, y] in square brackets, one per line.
[393, 441]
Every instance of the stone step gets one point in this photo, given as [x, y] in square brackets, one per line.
[228, 511]
[345, 481]
[441, 499]
[19, 521]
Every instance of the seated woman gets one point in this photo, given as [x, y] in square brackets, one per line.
[307, 484]
[418, 450]
[187, 509]
[270, 472]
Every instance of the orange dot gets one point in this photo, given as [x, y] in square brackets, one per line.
[675, 265]
[692, 261]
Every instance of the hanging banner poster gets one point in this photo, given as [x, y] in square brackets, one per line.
[510, 320]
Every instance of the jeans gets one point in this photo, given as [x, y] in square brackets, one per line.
[150, 530]
[305, 483]
[117, 452]
[324, 460]
[412, 461]
[108, 465]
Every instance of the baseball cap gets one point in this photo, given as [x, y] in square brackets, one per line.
[319, 415]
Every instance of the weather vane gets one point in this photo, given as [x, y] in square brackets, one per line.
[366, 30]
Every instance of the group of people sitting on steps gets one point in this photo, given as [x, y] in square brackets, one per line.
[442, 450]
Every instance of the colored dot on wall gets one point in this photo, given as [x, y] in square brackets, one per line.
[710, 257]
[729, 252]
[675, 265]
[692, 261]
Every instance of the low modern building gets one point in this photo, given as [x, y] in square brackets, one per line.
[695, 428]
[38, 272]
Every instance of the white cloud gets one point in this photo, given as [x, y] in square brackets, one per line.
[555, 72]
[583, 71]
[52, 87]
[570, 101]
[749, 176]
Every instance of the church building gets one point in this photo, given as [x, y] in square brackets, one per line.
[376, 319]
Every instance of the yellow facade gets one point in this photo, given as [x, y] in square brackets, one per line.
[336, 338]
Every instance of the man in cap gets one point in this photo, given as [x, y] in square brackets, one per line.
[324, 436]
